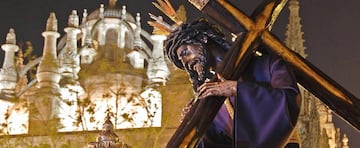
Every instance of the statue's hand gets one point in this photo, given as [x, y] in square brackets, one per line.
[226, 88]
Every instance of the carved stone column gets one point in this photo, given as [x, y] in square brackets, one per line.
[44, 101]
[8, 74]
[158, 71]
[48, 71]
[69, 58]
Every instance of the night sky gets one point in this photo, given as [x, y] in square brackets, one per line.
[331, 31]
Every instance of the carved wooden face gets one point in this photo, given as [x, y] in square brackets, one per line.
[189, 54]
[194, 60]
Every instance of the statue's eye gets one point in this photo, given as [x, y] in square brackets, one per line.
[183, 52]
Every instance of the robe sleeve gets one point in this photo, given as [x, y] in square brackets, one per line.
[266, 107]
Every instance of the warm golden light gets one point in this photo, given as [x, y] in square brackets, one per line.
[13, 118]
[140, 111]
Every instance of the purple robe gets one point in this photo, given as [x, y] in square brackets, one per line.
[266, 108]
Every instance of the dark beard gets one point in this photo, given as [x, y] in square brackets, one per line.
[199, 72]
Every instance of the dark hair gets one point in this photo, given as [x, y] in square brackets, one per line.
[199, 31]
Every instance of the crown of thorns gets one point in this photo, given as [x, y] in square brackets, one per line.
[199, 31]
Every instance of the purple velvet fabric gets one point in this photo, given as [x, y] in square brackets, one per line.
[265, 108]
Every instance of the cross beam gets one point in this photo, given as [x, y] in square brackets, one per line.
[322, 86]
[337, 98]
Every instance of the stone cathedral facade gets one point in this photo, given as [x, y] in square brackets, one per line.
[107, 81]
[315, 125]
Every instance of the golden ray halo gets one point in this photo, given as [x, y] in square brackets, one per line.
[159, 25]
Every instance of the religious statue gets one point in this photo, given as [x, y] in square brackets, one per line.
[255, 76]
[262, 105]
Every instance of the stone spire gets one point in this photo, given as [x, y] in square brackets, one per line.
[73, 20]
[87, 51]
[122, 32]
[294, 39]
[137, 40]
[69, 58]
[85, 30]
[48, 70]
[101, 11]
[85, 14]
[44, 101]
[123, 13]
[315, 123]
[51, 24]
[8, 74]
[345, 141]
[330, 129]
[11, 37]
[135, 58]
[308, 123]
[101, 26]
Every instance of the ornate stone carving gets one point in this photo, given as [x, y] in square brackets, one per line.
[107, 138]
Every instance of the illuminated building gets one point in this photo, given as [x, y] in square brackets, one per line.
[105, 64]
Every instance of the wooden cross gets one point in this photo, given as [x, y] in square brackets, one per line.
[327, 90]
[322, 86]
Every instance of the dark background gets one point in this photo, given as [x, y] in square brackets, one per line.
[331, 32]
